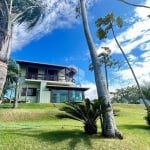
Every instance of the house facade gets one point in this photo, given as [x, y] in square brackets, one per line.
[48, 83]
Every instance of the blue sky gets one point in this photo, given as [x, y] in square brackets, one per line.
[59, 39]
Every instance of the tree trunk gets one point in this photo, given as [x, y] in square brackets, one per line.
[90, 128]
[15, 104]
[4, 56]
[106, 74]
[108, 122]
[5, 41]
[3, 73]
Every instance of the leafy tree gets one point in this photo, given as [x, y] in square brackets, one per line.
[109, 128]
[12, 12]
[13, 73]
[87, 112]
[146, 90]
[127, 95]
[104, 25]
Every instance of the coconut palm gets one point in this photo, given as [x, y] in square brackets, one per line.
[12, 12]
[104, 25]
[109, 128]
[87, 112]
[108, 61]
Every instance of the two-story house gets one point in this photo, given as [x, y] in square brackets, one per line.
[45, 83]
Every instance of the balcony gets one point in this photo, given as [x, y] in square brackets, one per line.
[47, 77]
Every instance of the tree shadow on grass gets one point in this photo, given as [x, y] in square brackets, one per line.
[134, 126]
[6, 106]
[73, 136]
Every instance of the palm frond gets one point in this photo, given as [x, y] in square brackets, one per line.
[28, 11]
[87, 112]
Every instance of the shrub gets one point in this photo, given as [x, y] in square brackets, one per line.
[87, 112]
[148, 116]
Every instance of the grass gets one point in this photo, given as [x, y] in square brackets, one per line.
[36, 127]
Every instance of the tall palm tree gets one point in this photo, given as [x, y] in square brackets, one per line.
[104, 25]
[109, 128]
[11, 12]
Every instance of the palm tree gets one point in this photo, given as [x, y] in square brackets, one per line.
[87, 112]
[109, 128]
[12, 72]
[104, 25]
[107, 61]
[12, 80]
[11, 12]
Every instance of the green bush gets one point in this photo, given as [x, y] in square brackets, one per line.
[148, 116]
[87, 112]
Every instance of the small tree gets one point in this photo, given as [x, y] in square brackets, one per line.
[12, 72]
[12, 79]
[87, 112]
[127, 95]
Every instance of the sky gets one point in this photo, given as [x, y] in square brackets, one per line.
[59, 39]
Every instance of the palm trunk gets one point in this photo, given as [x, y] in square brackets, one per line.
[108, 122]
[106, 74]
[15, 104]
[5, 42]
[3, 73]
[4, 56]
[134, 76]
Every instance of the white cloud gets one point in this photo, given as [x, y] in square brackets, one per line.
[58, 14]
[132, 58]
[136, 36]
[91, 93]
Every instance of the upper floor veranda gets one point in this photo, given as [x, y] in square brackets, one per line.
[48, 72]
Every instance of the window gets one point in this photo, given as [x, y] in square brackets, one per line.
[32, 73]
[51, 75]
[59, 96]
[75, 96]
[29, 92]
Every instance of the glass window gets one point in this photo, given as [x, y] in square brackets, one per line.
[59, 96]
[75, 95]
[30, 92]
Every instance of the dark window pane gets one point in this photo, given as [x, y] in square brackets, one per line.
[30, 92]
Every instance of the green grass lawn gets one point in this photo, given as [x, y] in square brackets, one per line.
[36, 127]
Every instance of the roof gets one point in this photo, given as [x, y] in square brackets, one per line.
[22, 62]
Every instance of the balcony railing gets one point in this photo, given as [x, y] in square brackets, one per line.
[49, 77]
